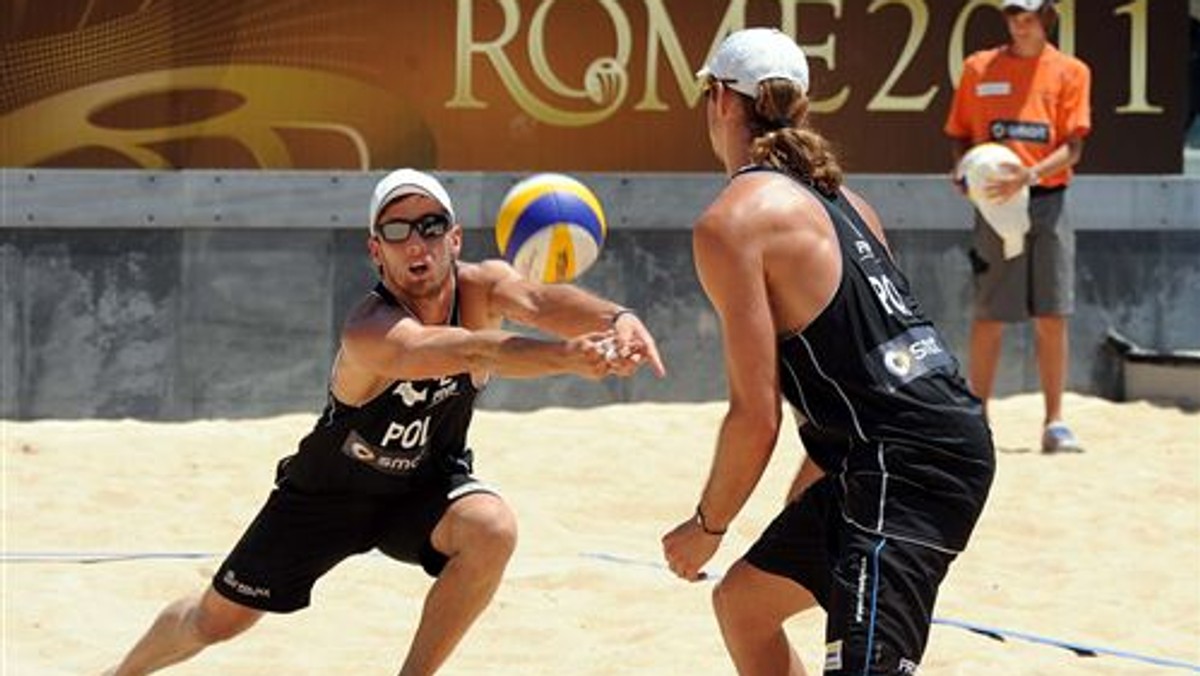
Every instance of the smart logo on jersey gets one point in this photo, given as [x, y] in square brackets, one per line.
[409, 452]
[898, 362]
[909, 356]
[1016, 130]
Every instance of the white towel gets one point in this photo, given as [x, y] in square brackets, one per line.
[1009, 218]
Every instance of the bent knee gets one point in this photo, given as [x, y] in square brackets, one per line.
[729, 598]
[747, 596]
[216, 619]
[484, 524]
[498, 535]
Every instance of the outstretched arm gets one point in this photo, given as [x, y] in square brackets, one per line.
[567, 310]
[382, 342]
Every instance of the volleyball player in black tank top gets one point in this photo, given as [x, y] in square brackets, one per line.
[905, 450]
[387, 465]
[412, 432]
[813, 311]
[402, 452]
[894, 392]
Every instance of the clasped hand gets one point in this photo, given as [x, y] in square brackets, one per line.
[687, 548]
[1006, 183]
[619, 351]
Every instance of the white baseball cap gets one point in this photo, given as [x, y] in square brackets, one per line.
[403, 182]
[1025, 5]
[749, 56]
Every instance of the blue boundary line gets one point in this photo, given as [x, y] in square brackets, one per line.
[999, 634]
[99, 557]
[996, 633]
[1080, 649]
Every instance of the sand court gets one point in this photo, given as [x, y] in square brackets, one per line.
[1099, 548]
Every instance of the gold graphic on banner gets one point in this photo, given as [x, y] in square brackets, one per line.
[237, 116]
[601, 85]
[605, 82]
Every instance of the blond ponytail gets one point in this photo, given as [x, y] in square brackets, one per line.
[784, 142]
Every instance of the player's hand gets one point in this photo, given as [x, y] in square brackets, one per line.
[635, 347]
[592, 355]
[1006, 183]
[687, 548]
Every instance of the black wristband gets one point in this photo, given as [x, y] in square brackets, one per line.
[704, 525]
[617, 315]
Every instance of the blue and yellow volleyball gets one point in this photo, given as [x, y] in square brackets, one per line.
[550, 227]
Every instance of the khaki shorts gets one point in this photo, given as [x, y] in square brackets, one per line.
[1039, 282]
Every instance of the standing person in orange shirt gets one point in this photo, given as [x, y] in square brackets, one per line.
[1033, 99]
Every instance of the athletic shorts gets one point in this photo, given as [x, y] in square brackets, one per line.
[878, 592]
[297, 537]
[1040, 281]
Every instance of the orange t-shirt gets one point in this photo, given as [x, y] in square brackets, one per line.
[1032, 105]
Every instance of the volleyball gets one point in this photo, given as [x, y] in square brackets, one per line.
[550, 227]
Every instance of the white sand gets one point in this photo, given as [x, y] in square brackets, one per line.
[1101, 548]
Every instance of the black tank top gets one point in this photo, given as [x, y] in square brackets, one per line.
[876, 393]
[413, 431]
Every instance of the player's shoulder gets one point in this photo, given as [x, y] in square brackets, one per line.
[746, 197]
[371, 316]
[478, 281]
[860, 204]
[867, 212]
[1069, 63]
[761, 198]
[486, 271]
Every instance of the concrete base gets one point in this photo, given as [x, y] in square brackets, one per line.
[179, 320]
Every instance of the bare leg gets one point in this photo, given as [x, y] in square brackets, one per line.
[1051, 337]
[986, 338]
[478, 534]
[751, 606]
[184, 628]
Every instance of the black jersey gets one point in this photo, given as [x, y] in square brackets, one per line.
[880, 400]
[412, 431]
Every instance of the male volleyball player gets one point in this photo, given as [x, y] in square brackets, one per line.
[1035, 100]
[386, 466]
[814, 310]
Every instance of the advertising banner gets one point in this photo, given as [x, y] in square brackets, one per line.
[524, 85]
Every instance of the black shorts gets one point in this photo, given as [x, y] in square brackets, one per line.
[297, 537]
[878, 592]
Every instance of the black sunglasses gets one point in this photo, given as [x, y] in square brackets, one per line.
[710, 83]
[428, 226]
